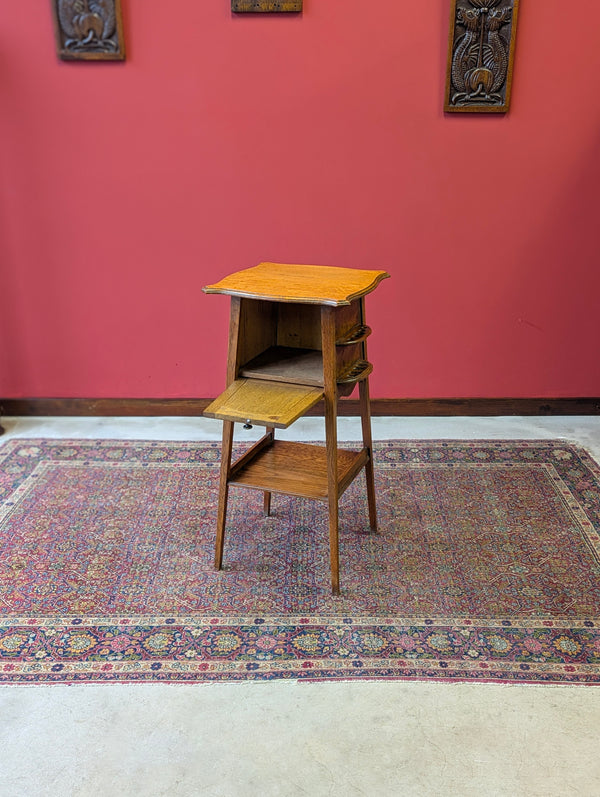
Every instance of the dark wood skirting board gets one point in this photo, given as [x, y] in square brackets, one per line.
[381, 407]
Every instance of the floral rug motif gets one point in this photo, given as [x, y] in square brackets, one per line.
[486, 567]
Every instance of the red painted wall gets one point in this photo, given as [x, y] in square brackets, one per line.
[226, 140]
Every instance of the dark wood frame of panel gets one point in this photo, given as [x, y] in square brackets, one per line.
[481, 51]
[265, 6]
[94, 34]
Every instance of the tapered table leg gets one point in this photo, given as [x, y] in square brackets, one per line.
[267, 504]
[330, 401]
[226, 450]
[365, 418]
[332, 493]
[267, 495]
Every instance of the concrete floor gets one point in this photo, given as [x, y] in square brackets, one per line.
[297, 739]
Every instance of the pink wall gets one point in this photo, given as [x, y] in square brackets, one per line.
[225, 140]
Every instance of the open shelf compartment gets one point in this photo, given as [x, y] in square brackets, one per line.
[301, 367]
[287, 364]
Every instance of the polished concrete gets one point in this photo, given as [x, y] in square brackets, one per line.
[297, 738]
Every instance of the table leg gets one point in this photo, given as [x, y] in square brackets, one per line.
[267, 495]
[332, 494]
[365, 418]
[226, 450]
[330, 401]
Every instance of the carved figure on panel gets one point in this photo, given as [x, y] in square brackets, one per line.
[89, 29]
[481, 52]
[265, 6]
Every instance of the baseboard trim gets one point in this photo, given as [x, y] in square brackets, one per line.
[381, 407]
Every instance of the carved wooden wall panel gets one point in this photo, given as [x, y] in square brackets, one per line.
[480, 55]
[265, 6]
[89, 29]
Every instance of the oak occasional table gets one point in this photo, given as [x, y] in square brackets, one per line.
[297, 335]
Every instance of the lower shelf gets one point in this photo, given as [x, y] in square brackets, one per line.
[297, 469]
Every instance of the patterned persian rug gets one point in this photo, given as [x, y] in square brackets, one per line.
[486, 567]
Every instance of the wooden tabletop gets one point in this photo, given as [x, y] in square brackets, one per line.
[284, 282]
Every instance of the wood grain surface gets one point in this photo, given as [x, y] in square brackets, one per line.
[283, 282]
[257, 401]
[297, 469]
